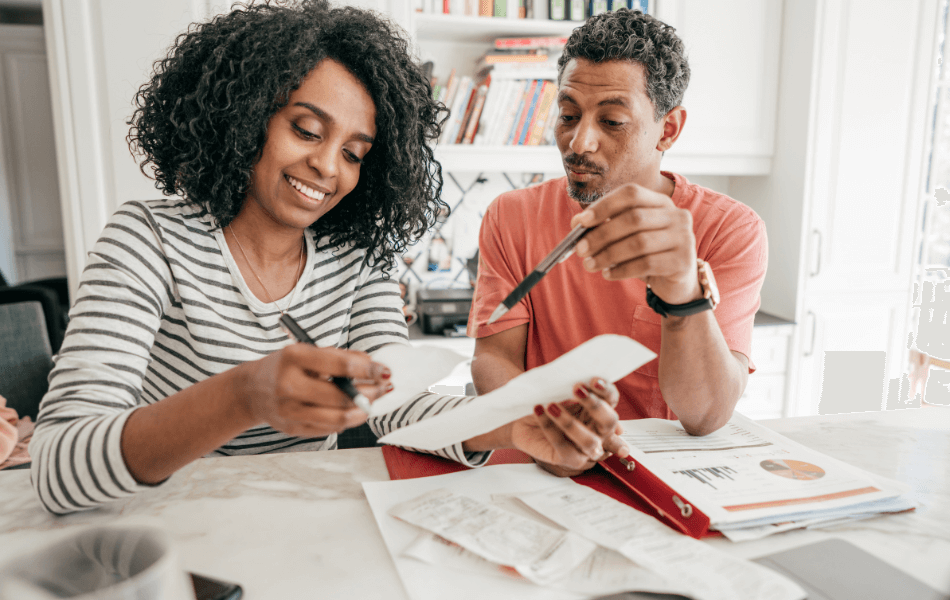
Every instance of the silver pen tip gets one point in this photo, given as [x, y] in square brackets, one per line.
[499, 313]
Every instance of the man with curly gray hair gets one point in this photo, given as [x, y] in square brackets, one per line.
[645, 269]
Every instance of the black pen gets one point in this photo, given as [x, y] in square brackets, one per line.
[345, 384]
[560, 252]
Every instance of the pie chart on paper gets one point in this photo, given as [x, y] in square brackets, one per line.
[793, 469]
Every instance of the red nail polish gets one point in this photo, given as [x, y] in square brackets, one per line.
[600, 385]
[555, 410]
[386, 374]
[539, 410]
[389, 388]
[581, 392]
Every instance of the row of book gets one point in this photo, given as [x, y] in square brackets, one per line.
[555, 10]
[502, 112]
[508, 100]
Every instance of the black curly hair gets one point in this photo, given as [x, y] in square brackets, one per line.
[626, 34]
[200, 123]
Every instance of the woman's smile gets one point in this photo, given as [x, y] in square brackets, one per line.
[306, 191]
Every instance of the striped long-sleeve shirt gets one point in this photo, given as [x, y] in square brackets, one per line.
[162, 305]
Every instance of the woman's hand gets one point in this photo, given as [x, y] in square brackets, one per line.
[569, 437]
[290, 389]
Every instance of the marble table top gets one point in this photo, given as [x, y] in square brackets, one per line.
[297, 525]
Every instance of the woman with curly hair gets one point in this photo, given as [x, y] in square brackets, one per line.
[294, 143]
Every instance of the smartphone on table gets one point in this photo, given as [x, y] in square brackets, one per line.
[208, 588]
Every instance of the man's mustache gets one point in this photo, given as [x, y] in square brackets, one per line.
[576, 160]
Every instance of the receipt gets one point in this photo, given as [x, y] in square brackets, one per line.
[702, 571]
[540, 553]
[604, 572]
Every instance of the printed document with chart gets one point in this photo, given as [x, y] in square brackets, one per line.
[746, 475]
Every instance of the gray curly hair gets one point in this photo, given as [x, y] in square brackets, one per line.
[631, 35]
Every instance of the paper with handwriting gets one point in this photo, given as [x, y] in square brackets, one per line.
[701, 571]
[537, 551]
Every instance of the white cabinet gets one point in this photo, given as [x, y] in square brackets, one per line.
[845, 322]
[733, 50]
[840, 203]
[867, 139]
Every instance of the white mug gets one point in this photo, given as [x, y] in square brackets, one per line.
[101, 563]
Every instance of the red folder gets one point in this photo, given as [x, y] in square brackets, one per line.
[634, 486]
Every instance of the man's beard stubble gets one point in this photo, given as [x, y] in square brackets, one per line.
[584, 197]
[579, 191]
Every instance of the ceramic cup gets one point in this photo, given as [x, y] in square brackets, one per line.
[101, 563]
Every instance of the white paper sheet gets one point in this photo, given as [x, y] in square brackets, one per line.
[413, 369]
[604, 572]
[702, 571]
[610, 357]
[422, 581]
[538, 552]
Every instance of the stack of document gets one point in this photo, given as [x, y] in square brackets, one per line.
[515, 531]
[751, 481]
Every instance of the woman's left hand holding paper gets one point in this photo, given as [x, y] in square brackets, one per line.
[570, 437]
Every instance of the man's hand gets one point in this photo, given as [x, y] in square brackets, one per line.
[569, 437]
[641, 233]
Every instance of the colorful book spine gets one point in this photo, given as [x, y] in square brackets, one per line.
[557, 10]
[531, 114]
[485, 8]
[501, 8]
[456, 112]
[515, 105]
[544, 109]
[530, 43]
[466, 112]
[473, 122]
[522, 114]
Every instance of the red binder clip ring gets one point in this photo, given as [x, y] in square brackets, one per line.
[685, 509]
[630, 464]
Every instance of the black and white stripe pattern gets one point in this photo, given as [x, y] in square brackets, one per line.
[161, 306]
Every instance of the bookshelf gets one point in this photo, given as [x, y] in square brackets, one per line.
[458, 29]
[731, 101]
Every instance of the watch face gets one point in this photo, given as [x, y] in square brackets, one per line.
[708, 282]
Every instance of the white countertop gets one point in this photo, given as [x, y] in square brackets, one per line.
[298, 526]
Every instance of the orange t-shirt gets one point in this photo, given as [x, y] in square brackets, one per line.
[570, 306]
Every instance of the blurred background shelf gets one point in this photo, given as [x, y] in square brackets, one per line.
[547, 159]
[463, 29]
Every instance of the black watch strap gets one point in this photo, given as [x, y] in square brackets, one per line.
[677, 310]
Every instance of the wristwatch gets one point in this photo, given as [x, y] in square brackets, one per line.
[708, 302]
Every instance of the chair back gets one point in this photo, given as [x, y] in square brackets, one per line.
[25, 356]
